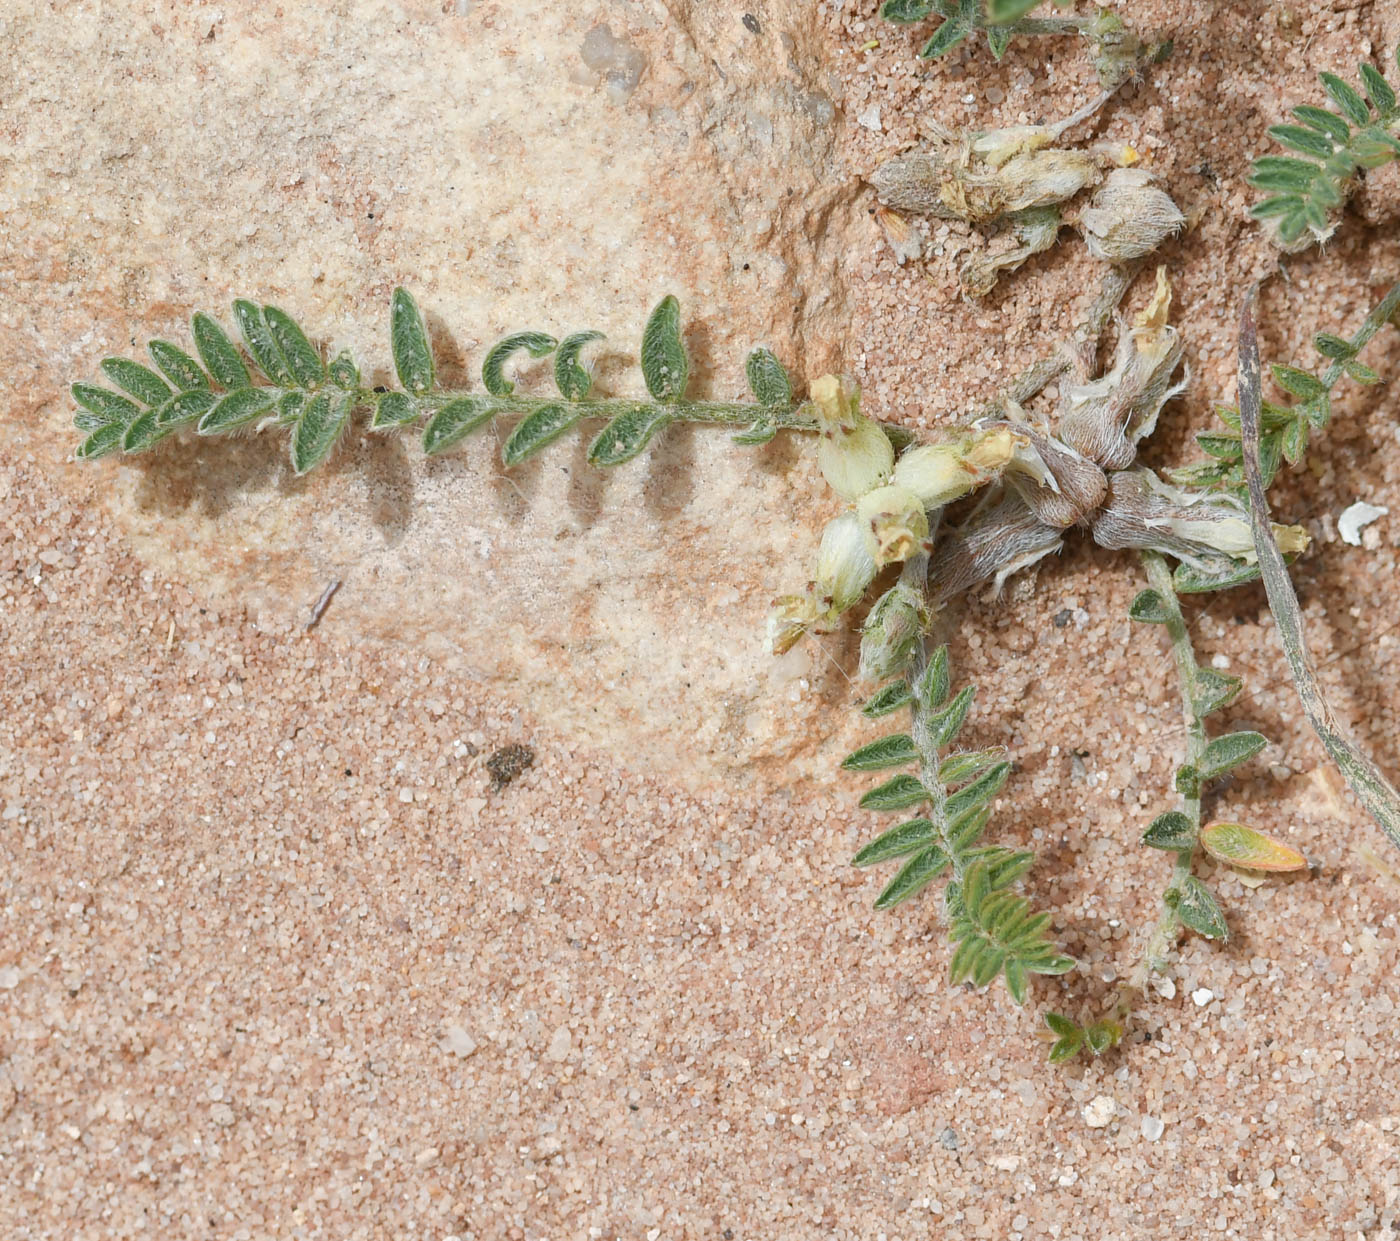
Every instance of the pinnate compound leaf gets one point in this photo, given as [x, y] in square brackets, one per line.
[236, 409]
[944, 725]
[1254, 850]
[319, 427]
[455, 421]
[262, 344]
[915, 875]
[898, 793]
[105, 439]
[177, 366]
[627, 435]
[1198, 909]
[393, 409]
[887, 700]
[571, 377]
[218, 353]
[665, 366]
[1224, 754]
[908, 837]
[493, 373]
[906, 11]
[104, 405]
[892, 751]
[768, 380]
[142, 382]
[538, 429]
[1172, 830]
[1150, 608]
[302, 358]
[408, 337]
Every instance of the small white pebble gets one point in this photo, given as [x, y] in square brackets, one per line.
[405, 795]
[1152, 1128]
[458, 1041]
[1099, 1111]
[870, 118]
[1166, 988]
[1202, 996]
[1355, 518]
[9, 978]
[560, 1044]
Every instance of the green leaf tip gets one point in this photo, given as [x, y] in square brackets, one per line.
[893, 751]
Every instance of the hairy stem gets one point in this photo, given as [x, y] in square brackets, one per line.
[1163, 936]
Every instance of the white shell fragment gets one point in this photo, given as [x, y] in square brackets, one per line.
[1356, 518]
[1099, 1111]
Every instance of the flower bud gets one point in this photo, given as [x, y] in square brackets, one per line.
[938, 474]
[892, 631]
[1128, 217]
[896, 521]
[854, 454]
[845, 564]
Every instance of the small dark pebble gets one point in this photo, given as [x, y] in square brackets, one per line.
[1063, 618]
[507, 763]
[751, 24]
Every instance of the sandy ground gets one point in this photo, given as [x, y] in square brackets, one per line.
[280, 958]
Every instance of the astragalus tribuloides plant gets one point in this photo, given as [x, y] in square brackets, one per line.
[966, 508]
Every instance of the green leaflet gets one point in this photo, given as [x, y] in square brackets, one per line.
[104, 405]
[393, 410]
[408, 338]
[1172, 830]
[909, 836]
[538, 429]
[186, 407]
[959, 767]
[1150, 608]
[1189, 580]
[320, 425]
[759, 432]
[262, 344]
[456, 420]
[887, 700]
[142, 382]
[906, 11]
[218, 353]
[290, 406]
[1214, 690]
[239, 407]
[144, 432]
[1226, 753]
[1198, 909]
[944, 725]
[1000, 11]
[932, 688]
[892, 751]
[979, 791]
[301, 356]
[952, 32]
[105, 439]
[177, 366]
[915, 875]
[665, 366]
[899, 793]
[626, 435]
[536, 344]
[768, 380]
[573, 380]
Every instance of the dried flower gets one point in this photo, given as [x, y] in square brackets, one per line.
[1193, 526]
[1128, 217]
[896, 521]
[993, 543]
[1058, 485]
[1035, 230]
[854, 454]
[891, 631]
[1104, 420]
